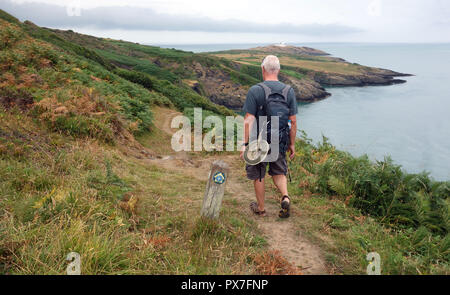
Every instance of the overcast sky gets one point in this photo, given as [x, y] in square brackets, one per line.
[239, 21]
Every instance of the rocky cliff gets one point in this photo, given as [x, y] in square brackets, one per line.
[308, 70]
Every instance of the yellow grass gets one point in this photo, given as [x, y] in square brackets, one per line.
[319, 64]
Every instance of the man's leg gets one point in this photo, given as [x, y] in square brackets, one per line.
[256, 173]
[281, 183]
[260, 193]
[278, 171]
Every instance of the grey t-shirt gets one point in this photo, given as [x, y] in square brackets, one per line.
[254, 102]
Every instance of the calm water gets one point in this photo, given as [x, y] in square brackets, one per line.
[410, 121]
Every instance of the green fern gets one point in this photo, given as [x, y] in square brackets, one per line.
[338, 186]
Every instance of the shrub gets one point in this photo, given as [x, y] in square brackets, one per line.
[241, 78]
[80, 126]
[135, 77]
[381, 189]
[7, 17]
[183, 97]
[8, 37]
[152, 69]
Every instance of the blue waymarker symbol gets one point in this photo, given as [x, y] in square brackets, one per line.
[219, 178]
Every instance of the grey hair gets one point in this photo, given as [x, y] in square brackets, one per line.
[271, 64]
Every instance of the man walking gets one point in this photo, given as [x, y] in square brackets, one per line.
[266, 99]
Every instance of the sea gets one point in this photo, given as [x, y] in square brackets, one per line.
[409, 122]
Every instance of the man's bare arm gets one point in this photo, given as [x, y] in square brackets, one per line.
[249, 119]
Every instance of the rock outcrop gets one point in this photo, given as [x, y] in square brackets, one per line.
[306, 90]
[219, 87]
[307, 70]
[377, 77]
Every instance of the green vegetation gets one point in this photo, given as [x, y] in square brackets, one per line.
[173, 54]
[365, 206]
[9, 18]
[294, 63]
[141, 65]
[156, 67]
[135, 77]
[77, 124]
[121, 214]
[379, 189]
[241, 77]
[183, 97]
[294, 74]
[70, 177]
[253, 71]
[49, 36]
[72, 95]
[137, 60]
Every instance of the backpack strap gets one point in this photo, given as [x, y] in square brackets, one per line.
[267, 90]
[267, 93]
[285, 92]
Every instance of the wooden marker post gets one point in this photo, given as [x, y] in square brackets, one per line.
[215, 188]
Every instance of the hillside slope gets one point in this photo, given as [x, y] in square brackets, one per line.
[202, 76]
[76, 141]
[85, 166]
[224, 77]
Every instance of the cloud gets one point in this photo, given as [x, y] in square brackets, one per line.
[138, 18]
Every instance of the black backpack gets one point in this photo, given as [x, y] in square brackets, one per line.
[276, 104]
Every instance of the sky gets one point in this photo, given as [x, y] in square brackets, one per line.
[240, 22]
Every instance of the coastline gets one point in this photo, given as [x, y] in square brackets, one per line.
[307, 70]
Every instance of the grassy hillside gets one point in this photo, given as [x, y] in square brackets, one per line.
[306, 62]
[122, 214]
[167, 68]
[69, 93]
[363, 206]
[82, 118]
[123, 59]
[72, 176]
[307, 67]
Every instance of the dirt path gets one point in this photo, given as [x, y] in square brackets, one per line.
[281, 235]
